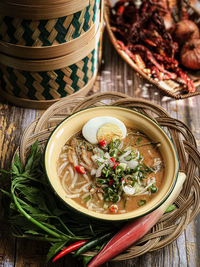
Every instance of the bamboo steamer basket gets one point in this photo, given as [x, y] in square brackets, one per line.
[38, 83]
[43, 29]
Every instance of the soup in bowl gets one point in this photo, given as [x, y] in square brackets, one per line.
[111, 163]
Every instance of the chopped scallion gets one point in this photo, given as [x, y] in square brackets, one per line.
[141, 202]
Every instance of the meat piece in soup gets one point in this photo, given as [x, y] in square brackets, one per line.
[111, 177]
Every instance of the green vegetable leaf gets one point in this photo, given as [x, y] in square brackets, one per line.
[170, 208]
[86, 260]
[55, 248]
[15, 170]
[32, 232]
[141, 202]
[138, 141]
[18, 163]
[31, 157]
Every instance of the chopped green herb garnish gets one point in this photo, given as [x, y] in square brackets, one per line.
[138, 141]
[154, 189]
[102, 181]
[141, 202]
[86, 199]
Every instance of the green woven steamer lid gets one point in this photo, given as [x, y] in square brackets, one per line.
[40, 83]
[32, 34]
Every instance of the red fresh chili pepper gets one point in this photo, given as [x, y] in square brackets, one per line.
[102, 143]
[114, 162]
[69, 249]
[80, 169]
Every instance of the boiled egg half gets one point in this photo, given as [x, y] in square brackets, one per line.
[103, 128]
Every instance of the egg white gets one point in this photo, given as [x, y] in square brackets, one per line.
[91, 127]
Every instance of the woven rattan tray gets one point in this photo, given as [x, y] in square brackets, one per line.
[173, 88]
[172, 224]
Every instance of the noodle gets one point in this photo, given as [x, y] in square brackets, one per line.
[75, 159]
[73, 196]
[61, 168]
[85, 158]
[74, 180]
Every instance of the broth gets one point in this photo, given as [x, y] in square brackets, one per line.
[116, 178]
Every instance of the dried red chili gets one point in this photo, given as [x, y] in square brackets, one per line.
[141, 30]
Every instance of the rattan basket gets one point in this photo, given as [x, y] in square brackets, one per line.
[173, 88]
[29, 29]
[171, 225]
[37, 83]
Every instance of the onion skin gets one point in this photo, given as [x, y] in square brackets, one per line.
[168, 22]
[184, 31]
[190, 54]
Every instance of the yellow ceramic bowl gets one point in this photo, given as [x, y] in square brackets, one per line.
[74, 124]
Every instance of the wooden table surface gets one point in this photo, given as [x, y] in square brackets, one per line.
[115, 75]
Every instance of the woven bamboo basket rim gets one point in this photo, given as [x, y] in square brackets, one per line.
[171, 225]
[41, 12]
[53, 63]
[130, 62]
[47, 52]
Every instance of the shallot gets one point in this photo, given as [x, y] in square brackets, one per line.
[190, 54]
[185, 30]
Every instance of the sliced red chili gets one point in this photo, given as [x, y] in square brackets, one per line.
[125, 181]
[114, 208]
[114, 162]
[115, 165]
[69, 249]
[102, 143]
[80, 169]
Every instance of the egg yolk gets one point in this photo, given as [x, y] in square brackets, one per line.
[109, 132]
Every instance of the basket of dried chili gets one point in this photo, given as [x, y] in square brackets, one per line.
[143, 34]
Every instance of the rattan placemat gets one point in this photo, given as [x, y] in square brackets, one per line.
[171, 224]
